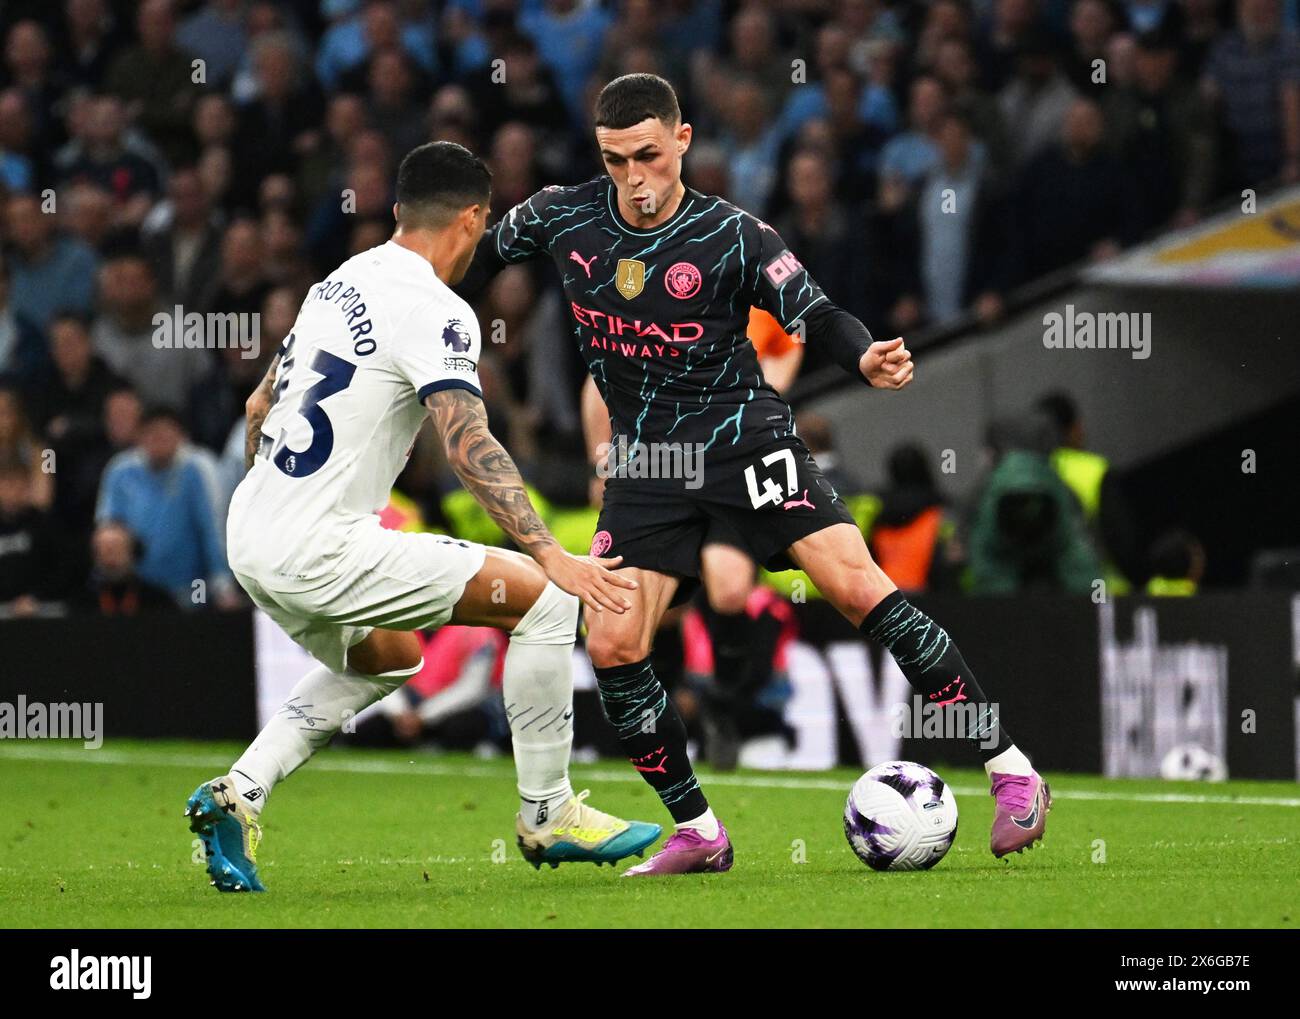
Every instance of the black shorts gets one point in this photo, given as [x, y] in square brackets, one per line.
[761, 502]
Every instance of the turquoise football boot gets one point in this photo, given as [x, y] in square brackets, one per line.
[583, 834]
[230, 835]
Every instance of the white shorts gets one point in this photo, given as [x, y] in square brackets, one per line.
[392, 580]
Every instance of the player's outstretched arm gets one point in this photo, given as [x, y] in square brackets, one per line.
[256, 407]
[490, 475]
[884, 364]
[887, 364]
[783, 285]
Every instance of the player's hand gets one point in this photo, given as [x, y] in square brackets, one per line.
[589, 578]
[887, 364]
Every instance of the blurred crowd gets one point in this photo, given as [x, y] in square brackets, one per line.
[218, 157]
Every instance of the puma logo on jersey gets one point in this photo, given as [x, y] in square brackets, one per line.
[586, 264]
[941, 698]
[792, 503]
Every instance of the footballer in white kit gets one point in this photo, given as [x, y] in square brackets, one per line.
[380, 334]
[377, 346]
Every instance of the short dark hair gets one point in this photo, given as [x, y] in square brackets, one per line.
[635, 97]
[122, 247]
[1061, 408]
[1173, 553]
[958, 117]
[909, 467]
[80, 319]
[162, 412]
[436, 181]
[137, 544]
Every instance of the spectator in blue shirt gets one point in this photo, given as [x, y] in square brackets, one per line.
[50, 272]
[24, 358]
[216, 34]
[807, 101]
[570, 39]
[908, 157]
[164, 492]
[752, 145]
[350, 41]
[15, 168]
[1254, 75]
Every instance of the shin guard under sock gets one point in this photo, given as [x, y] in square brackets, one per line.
[935, 668]
[652, 735]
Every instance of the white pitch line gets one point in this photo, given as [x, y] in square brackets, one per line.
[340, 763]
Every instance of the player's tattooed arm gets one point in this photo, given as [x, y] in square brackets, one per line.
[256, 408]
[486, 469]
[489, 474]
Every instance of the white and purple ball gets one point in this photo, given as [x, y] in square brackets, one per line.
[900, 816]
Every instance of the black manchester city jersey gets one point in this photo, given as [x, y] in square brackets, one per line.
[661, 314]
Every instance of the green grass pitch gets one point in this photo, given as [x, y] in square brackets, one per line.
[391, 839]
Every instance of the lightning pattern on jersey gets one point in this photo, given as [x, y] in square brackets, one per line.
[670, 357]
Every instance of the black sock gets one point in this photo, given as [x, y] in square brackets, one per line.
[652, 735]
[935, 668]
[767, 634]
[732, 637]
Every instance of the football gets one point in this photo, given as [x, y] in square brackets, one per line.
[900, 816]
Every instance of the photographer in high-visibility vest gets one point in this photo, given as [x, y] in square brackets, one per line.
[1089, 477]
[1177, 565]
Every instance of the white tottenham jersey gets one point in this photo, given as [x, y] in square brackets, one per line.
[370, 342]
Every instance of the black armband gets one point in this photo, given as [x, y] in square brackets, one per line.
[839, 334]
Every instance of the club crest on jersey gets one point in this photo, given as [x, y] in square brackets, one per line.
[629, 277]
[683, 280]
[456, 336]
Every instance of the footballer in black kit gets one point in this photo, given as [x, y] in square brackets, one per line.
[660, 280]
[660, 316]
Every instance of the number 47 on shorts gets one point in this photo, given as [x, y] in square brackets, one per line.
[772, 492]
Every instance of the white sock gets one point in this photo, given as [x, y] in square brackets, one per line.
[316, 709]
[539, 814]
[249, 791]
[706, 824]
[1010, 762]
[537, 685]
